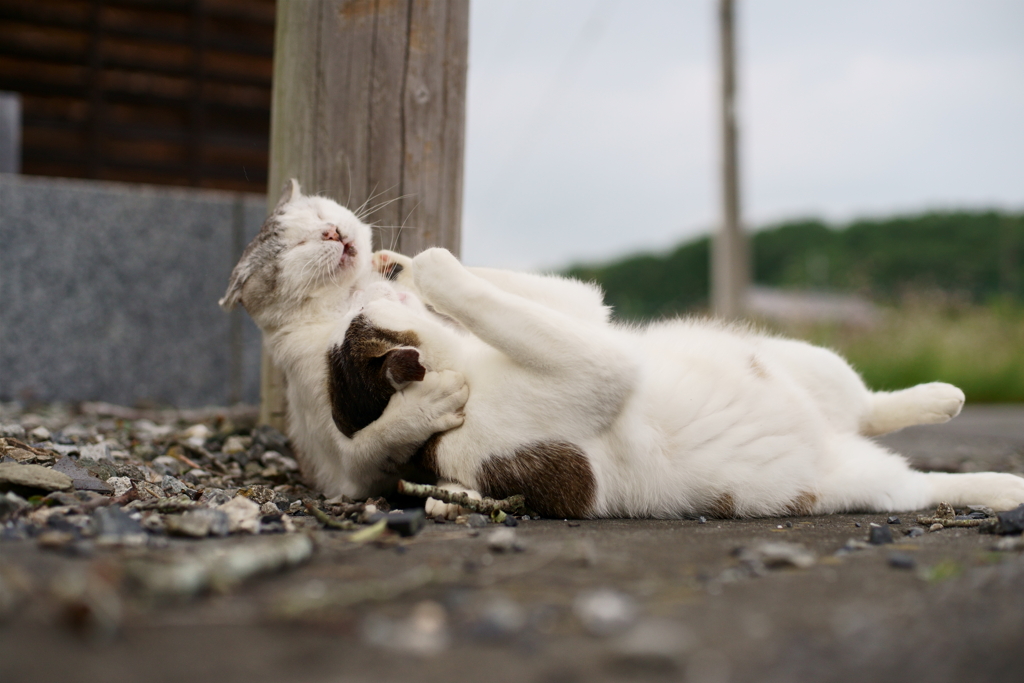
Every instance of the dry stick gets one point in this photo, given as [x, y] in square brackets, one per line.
[484, 506]
[946, 522]
[328, 521]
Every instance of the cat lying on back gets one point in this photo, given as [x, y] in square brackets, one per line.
[679, 418]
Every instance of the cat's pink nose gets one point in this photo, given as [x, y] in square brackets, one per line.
[331, 234]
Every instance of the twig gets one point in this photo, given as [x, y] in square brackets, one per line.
[946, 522]
[328, 521]
[484, 506]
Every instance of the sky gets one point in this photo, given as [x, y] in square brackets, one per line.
[592, 125]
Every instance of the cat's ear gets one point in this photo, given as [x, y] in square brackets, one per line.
[402, 365]
[233, 295]
[290, 192]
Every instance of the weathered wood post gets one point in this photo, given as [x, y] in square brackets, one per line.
[730, 258]
[369, 100]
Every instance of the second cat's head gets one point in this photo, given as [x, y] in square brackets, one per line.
[308, 245]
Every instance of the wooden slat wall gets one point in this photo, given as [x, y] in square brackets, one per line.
[159, 91]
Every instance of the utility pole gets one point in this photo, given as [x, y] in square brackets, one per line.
[730, 258]
[369, 99]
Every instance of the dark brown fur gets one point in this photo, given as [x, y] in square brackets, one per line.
[722, 507]
[555, 477]
[358, 370]
[803, 505]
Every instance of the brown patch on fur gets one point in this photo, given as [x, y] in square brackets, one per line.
[426, 458]
[758, 368]
[358, 370]
[722, 507]
[555, 477]
[802, 505]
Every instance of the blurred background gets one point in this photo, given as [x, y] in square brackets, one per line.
[881, 156]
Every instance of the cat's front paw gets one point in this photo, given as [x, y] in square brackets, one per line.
[1005, 493]
[441, 510]
[438, 402]
[392, 265]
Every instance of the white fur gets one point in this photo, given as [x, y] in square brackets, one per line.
[675, 416]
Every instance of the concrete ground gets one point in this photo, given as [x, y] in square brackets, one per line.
[590, 601]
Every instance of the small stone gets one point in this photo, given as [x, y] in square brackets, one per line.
[984, 509]
[1011, 522]
[97, 452]
[55, 539]
[165, 464]
[12, 430]
[198, 523]
[789, 525]
[196, 435]
[39, 434]
[114, 526]
[406, 523]
[11, 503]
[235, 444]
[605, 612]
[172, 486]
[902, 561]
[503, 540]
[243, 515]
[914, 532]
[259, 494]
[280, 462]
[212, 497]
[879, 535]
[80, 477]
[777, 555]
[857, 524]
[477, 521]
[936, 527]
[121, 485]
[510, 521]
[572, 524]
[893, 520]
[32, 479]
[702, 520]
[525, 518]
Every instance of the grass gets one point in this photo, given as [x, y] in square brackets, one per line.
[978, 348]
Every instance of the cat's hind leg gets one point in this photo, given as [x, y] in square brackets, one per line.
[931, 403]
[862, 475]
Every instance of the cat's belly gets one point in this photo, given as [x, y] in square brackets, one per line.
[710, 429]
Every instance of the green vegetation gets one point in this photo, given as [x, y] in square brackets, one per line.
[971, 256]
[952, 285]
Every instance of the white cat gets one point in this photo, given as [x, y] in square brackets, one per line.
[679, 418]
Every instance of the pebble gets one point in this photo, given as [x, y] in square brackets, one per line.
[879, 535]
[503, 540]
[32, 479]
[114, 526]
[165, 464]
[407, 523]
[81, 479]
[234, 445]
[499, 618]
[702, 520]
[12, 430]
[605, 612]
[651, 649]
[172, 486]
[97, 452]
[778, 555]
[279, 461]
[1011, 522]
[477, 521]
[243, 515]
[39, 434]
[510, 521]
[199, 523]
[120, 485]
[902, 561]
[10, 503]
[936, 527]
[893, 520]
[914, 532]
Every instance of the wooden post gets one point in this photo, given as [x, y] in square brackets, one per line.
[730, 259]
[369, 99]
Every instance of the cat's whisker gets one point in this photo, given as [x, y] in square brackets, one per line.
[362, 211]
[383, 205]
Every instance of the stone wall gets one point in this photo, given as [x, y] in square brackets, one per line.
[109, 292]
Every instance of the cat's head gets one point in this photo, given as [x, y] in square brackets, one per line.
[307, 245]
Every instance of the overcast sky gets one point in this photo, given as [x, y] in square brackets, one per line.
[592, 125]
